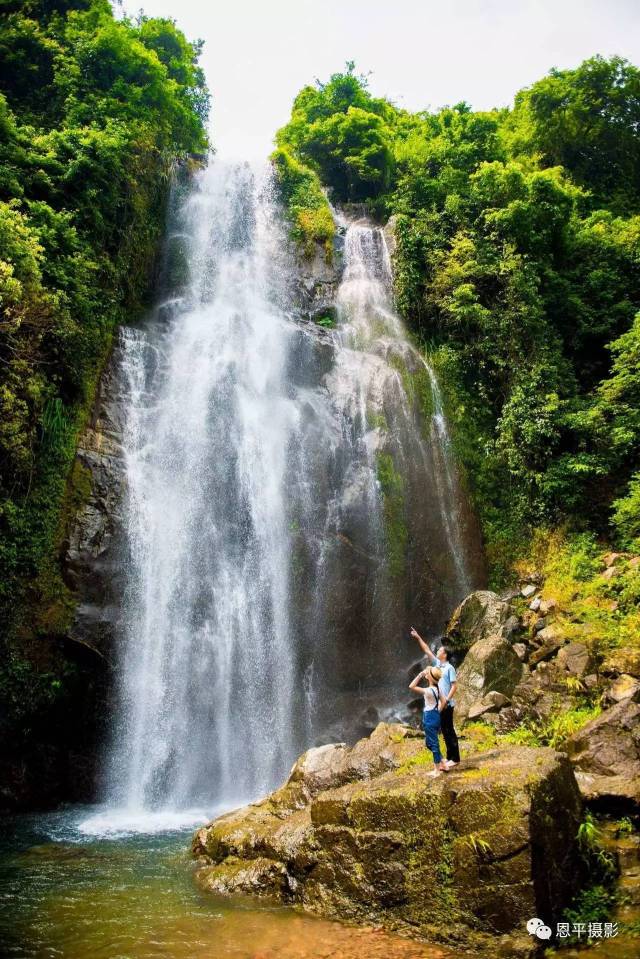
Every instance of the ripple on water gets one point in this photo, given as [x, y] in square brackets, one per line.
[87, 884]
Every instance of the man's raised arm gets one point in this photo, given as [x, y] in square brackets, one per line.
[423, 646]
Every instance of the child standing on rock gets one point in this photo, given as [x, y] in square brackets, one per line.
[448, 685]
[431, 714]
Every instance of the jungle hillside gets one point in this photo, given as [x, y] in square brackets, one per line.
[96, 114]
[516, 265]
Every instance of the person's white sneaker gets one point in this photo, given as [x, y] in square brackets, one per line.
[449, 763]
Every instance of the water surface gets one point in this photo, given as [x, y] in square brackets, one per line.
[69, 890]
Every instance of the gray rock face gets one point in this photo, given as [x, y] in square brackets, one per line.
[480, 615]
[318, 278]
[92, 559]
[576, 659]
[606, 753]
[390, 235]
[549, 639]
[624, 687]
[491, 665]
[547, 606]
[491, 703]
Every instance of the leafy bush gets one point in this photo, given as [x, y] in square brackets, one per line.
[594, 904]
[517, 236]
[587, 121]
[342, 132]
[307, 207]
[626, 515]
[94, 114]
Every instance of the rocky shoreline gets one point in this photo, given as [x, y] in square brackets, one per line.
[520, 672]
[362, 833]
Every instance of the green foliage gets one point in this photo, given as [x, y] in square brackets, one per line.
[555, 730]
[395, 526]
[594, 904]
[479, 846]
[604, 612]
[624, 827]
[342, 132]
[631, 928]
[585, 120]
[306, 205]
[326, 321]
[94, 113]
[588, 833]
[479, 737]
[517, 238]
[626, 515]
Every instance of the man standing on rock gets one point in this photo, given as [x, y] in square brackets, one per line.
[447, 686]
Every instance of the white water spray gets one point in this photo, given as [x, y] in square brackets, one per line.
[209, 663]
[266, 593]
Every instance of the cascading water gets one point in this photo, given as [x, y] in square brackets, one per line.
[396, 537]
[448, 489]
[292, 505]
[209, 663]
[374, 329]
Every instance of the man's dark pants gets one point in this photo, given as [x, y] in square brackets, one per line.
[449, 734]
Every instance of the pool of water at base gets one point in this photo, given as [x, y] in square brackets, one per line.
[84, 884]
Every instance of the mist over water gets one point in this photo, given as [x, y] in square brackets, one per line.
[266, 595]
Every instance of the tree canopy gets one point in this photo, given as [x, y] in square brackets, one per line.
[518, 267]
[94, 113]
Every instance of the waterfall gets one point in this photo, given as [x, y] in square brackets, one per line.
[373, 331]
[448, 487]
[292, 506]
[209, 664]
[398, 502]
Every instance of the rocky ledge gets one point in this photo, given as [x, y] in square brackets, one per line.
[519, 671]
[364, 833]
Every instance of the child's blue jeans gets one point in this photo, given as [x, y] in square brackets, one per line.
[431, 726]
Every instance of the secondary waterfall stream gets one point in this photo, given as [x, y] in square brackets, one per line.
[292, 505]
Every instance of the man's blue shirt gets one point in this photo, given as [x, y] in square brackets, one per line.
[447, 679]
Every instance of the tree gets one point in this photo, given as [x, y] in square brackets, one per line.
[342, 132]
[586, 120]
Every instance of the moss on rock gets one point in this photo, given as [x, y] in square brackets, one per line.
[395, 525]
[366, 834]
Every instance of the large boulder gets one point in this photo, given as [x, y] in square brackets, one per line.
[491, 703]
[480, 615]
[624, 687]
[606, 754]
[576, 659]
[491, 665]
[485, 847]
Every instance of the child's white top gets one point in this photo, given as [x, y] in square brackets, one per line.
[431, 698]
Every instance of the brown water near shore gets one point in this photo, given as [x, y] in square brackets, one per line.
[65, 894]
